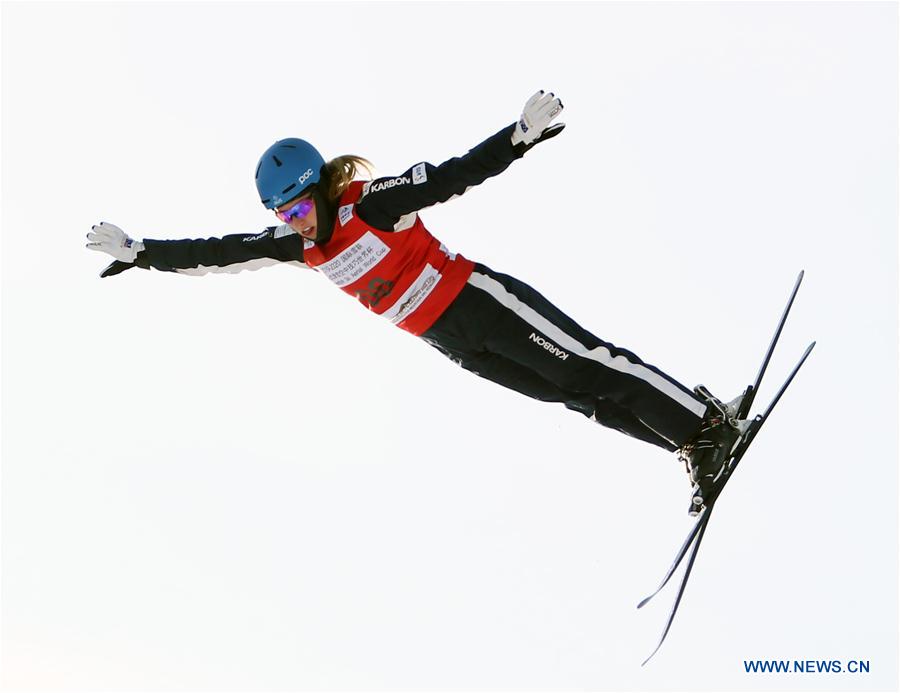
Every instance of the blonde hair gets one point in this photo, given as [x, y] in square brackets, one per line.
[341, 171]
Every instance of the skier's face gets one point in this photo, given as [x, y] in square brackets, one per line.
[305, 225]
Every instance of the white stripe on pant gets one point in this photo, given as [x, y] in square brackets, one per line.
[599, 354]
[503, 330]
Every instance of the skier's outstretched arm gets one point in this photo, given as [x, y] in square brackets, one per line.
[231, 253]
[385, 200]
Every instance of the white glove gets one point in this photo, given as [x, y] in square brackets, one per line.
[110, 239]
[539, 110]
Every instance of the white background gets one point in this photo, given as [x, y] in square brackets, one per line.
[248, 483]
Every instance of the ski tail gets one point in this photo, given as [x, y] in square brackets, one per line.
[687, 573]
[691, 544]
[680, 556]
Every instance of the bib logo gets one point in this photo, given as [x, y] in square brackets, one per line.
[376, 290]
[306, 176]
[549, 346]
[344, 214]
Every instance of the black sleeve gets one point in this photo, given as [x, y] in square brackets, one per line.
[231, 253]
[385, 200]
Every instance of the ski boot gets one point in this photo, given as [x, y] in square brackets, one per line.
[706, 456]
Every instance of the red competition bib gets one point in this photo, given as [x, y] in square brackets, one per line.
[406, 275]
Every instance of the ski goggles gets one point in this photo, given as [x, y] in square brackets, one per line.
[298, 211]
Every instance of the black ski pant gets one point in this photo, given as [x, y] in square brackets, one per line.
[502, 329]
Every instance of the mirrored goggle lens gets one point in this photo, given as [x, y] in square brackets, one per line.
[299, 210]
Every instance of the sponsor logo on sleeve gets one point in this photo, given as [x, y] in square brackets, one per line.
[420, 175]
[345, 213]
[257, 237]
[384, 184]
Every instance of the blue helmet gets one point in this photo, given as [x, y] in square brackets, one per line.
[286, 169]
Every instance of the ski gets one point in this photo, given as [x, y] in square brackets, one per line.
[747, 402]
[701, 525]
[744, 408]
[691, 544]
[760, 419]
[698, 526]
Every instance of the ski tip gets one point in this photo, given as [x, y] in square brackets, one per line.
[644, 601]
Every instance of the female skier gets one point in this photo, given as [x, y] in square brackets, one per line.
[367, 238]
